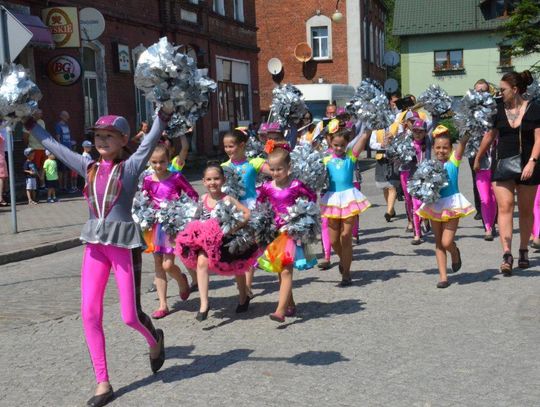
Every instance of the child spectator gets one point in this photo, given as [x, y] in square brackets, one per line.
[31, 172]
[87, 149]
[50, 168]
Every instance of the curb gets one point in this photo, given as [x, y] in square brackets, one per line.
[25, 254]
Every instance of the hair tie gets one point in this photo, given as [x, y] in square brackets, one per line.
[271, 145]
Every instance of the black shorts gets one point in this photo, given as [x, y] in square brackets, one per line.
[51, 184]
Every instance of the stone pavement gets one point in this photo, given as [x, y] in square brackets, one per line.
[392, 339]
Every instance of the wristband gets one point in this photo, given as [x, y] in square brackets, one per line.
[534, 160]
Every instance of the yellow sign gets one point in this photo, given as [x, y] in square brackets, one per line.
[64, 25]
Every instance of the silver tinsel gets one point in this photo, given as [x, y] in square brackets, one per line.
[370, 106]
[233, 186]
[533, 91]
[307, 166]
[254, 148]
[474, 116]
[142, 211]
[175, 215]
[288, 104]
[228, 216]
[177, 126]
[242, 240]
[428, 180]
[262, 225]
[303, 221]
[401, 148]
[171, 79]
[18, 94]
[435, 100]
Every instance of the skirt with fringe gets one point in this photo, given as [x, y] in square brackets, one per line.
[343, 204]
[207, 236]
[157, 241]
[451, 207]
[283, 252]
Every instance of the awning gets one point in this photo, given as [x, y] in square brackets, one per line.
[42, 36]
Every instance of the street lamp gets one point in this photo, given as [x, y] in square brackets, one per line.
[337, 16]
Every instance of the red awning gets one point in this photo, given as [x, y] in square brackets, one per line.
[42, 35]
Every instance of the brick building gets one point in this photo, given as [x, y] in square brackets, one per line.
[344, 52]
[219, 34]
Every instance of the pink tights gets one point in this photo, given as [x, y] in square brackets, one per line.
[411, 204]
[536, 226]
[97, 262]
[487, 198]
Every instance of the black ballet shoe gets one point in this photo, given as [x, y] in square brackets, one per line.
[101, 399]
[243, 307]
[443, 284]
[201, 316]
[155, 364]
[457, 265]
[523, 262]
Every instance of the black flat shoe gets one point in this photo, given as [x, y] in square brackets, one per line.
[201, 316]
[194, 288]
[101, 399]
[443, 284]
[155, 364]
[388, 217]
[478, 216]
[457, 265]
[243, 307]
[346, 282]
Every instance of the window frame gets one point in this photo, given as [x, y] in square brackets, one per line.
[315, 22]
[218, 7]
[320, 40]
[238, 12]
[100, 78]
[448, 66]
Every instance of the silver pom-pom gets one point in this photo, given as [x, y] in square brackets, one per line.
[233, 186]
[142, 211]
[303, 221]
[241, 240]
[401, 148]
[262, 225]
[370, 106]
[307, 166]
[171, 79]
[19, 96]
[177, 126]
[435, 100]
[175, 215]
[228, 216]
[474, 116]
[288, 104]
[533, 91]
[428, 180]
[254, 148]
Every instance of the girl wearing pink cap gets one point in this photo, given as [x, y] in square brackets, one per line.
[112, 238]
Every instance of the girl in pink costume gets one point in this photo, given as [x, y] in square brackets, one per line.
[487, 196]
[3, 170]
[283, 254]
[536, 226]
[203, 246]
[343, 202]
[112, 238]
[423, 152]
[163, 186]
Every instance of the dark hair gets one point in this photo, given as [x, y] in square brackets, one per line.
[445, 136]
[238, 135]
[280, 153]
[215, 165]
[143, 122]
[163, 148]
[342, 132]
[518, 79]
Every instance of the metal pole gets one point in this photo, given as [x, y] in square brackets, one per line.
[12, 193]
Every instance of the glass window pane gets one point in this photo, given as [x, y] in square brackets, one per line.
[456, 59]
[89, 59]
[440, 59]
[324, 47]
[315, 47]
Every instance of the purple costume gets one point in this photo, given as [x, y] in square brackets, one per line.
[168, 189]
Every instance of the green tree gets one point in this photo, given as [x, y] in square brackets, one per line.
[523, 29]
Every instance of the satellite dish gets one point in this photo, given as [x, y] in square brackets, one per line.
[391, 58]
[390, 85]
[274, 66]
[303, 52]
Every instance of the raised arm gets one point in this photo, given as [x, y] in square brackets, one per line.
[458, 153]
[361, 142]
[137, 162]
[75, 161]
[487, 140]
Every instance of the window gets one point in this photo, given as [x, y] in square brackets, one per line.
[505, 56]
[233, 93]
[90, 86]
[371, 46]
[143, 107]
[364, 24]
[319, 42]
[239, 10]
[449, 60]
[218, 6]
[497, 8]
[319, 36]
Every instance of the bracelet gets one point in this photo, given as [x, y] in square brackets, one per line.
[533, 159]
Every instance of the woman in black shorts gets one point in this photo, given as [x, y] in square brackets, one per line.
[515, 115]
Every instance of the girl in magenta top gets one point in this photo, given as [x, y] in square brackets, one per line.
[283, 254]
[163, 186]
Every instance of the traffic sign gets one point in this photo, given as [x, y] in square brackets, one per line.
[14, 36]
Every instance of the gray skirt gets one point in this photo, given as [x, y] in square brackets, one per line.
[386, 174]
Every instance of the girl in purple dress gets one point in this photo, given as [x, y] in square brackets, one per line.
[162, 186]
[283, 254]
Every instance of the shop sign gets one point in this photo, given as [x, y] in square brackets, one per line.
[64, 70]
[64, 25]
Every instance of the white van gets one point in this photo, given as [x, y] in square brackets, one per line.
[317, 96]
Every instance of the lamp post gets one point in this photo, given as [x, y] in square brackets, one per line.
[337, 16]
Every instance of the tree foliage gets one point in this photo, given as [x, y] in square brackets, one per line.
[523, 28]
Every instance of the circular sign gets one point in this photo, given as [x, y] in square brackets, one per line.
[92, 23]
[274, 66]
[60, 25]
[391, 58]
[64, 70]
[390, 85]
[303, 52]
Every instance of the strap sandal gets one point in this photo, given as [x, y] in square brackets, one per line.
[523, 261]
[457, 265]
[507, 265]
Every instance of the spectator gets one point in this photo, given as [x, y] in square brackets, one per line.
[3, 169]
[33, 143]
[62, 134]
[31, 173]
[50, 168]
[143, 131]
[87, 149]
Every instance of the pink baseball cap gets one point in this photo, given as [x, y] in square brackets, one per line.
[419, 124]
[113, 123]
[273, 127]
